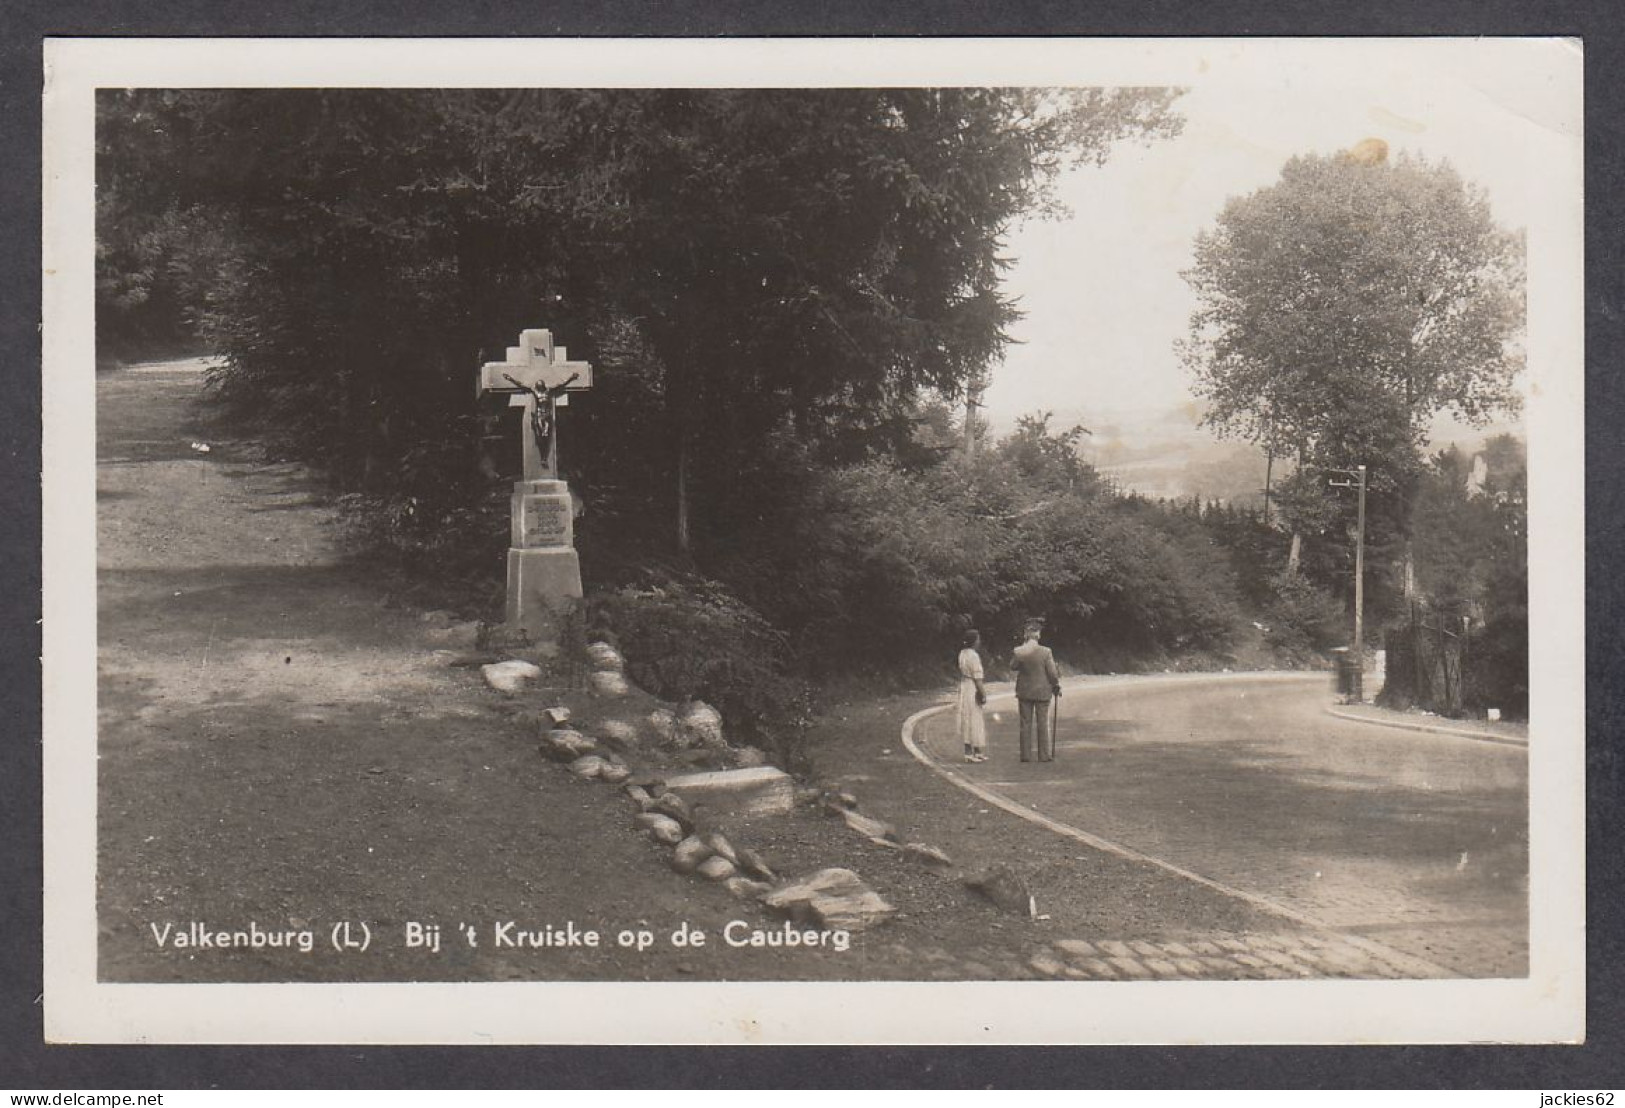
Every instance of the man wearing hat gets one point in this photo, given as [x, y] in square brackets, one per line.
[1037, 682]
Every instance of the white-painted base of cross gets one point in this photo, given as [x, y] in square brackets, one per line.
[544, 573]
[543, 587]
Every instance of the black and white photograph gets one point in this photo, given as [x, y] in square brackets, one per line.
[931, 541]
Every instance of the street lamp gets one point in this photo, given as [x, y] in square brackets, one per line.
[1356, 690]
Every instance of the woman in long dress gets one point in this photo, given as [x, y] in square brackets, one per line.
[972, 696]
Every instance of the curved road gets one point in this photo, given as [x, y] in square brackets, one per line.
[1417, 841]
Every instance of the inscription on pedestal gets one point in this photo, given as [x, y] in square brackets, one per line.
[542, 521]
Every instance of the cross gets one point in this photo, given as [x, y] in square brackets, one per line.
[538, 377]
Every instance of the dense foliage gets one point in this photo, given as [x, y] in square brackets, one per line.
[738, 263]
[1472, 602]
[879, 568]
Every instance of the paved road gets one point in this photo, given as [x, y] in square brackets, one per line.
[1413, 840]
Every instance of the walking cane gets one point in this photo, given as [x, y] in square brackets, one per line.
[1054, 720]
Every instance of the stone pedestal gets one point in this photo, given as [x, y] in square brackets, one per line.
[544, 573]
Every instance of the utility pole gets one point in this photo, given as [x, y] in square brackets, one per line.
[1359, 578]
[1269, 466]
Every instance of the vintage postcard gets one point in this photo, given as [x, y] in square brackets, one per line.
[935, 541]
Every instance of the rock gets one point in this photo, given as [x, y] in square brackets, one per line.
[567, 746]
[746, 889]
[605, 657]
[717, 868]
[672, 806]
[833, 899]
[661, 828]
[688, 854]
[607, 684]
[721, 847]
[664, 723]
[532, 720]
[868, 826]
[565, 737]
[670, 833]
[837, 801]
[1004, 888]
[640, 796]
[614, 772]
[747, 756]
[588, 765]
[762, 790]
[556, 717]
[755, 865]
[510, 676]
[703, 724]
[696, 758]
[928, 855]
[619, 732]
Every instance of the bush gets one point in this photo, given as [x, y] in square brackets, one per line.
[1496, 666]
[1303, 620]
[693, 639]
[881, 568]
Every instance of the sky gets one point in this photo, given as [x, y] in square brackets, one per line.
[1102, 290]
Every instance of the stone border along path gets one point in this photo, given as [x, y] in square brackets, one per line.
[832, 898]
[1430, 728]
[1319, 951]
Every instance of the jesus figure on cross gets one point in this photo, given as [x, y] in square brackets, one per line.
[537, 376]
[543, 410]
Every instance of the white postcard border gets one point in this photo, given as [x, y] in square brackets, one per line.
[1536, 82]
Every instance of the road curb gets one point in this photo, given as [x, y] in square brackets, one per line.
[1432, 729]
[1417, 967]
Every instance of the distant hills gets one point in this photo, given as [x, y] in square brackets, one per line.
[1164, 453]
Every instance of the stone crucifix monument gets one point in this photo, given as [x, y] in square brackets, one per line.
[544, 574]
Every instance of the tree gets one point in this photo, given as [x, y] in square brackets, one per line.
[1340, 309]
[740, 262]
[819, 259]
